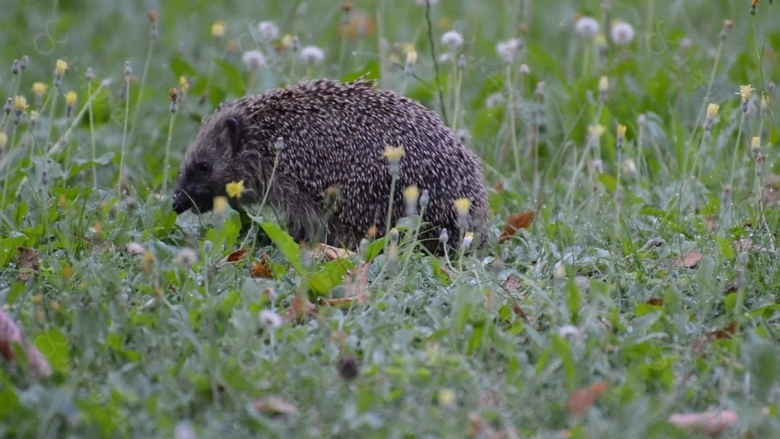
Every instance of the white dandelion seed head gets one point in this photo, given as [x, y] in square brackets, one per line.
[507, 49]
[186, 257]
[312, 55]
[622, 33]
[453, 40]
[134, 248]
[253, 60]
[568, 331]
[270, 319]
[268, 31]
[524, 69]
[445, 58]
[587, 27]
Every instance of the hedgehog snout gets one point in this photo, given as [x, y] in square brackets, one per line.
[181, 202]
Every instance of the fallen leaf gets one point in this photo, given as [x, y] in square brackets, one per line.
[514, 222]
[299, 308]
[689, 260]
[726, 332]
[10, 335]
[233, 257]
[356, 281]
[275, 405]
[519, 311]
[262, 268]
[655, 301]
[361, 299]
[28, 263]
[712, 422]
[581, 400]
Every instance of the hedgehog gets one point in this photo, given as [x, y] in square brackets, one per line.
[321, 145]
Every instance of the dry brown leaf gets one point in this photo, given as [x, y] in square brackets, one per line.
[655, 301]
[331, 253]
[712, 422]
[28, 263]
[581, 400]
[689, 260]
[298, 309]
[519, 311]
[275, 405]
[361, 300]
[10, 335]
[233, 257]
[514, 222]
[262, 268]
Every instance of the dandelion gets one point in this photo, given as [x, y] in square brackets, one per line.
[524, 69]
[745, 92]
[597, 166]
[218, 29]
[569, 331]
[462, 206]
[445, 58]
[174, 96]
[279, 144]
[603, 87]
[755, 146]
[70, 102]
[621, 135]
[312, 55]
[268, 31]
[467, 240]
[253, 60]
[24, 62]
[187, 257]
[587, 27]
[60, 68]
[394, 155]
[184, 85]
[286, 41]
[764, 103]
[595, 132]
[712, 113]
[447, 397]
[425, 198]
[452, 39]
[411, 60]
[411, 194]
[270, 319]
[39, 89]
[235, 189]
[629, 168]
[15, 67]
[622, 33]
[19, 105]
[220, 204]
[507, 49]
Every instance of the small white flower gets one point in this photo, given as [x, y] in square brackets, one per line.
[186, 257]
[270, 319]
[253, 60]
[453, 40]
[587, 27]
[312, 55]
[268, 31]
[622, 33]
[445, 58]
[134, 248]
[524, 69]
[507, 49]
[568, 331]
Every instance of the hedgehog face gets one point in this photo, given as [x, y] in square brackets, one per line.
[208, 165]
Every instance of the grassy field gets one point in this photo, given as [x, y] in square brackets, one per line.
[634, 142]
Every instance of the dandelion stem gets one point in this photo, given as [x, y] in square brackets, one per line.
[736, 150]
[141, 87]
[390, 207]
[512, 132]
[7, 166]
[166, 165]
[92, 137]
[124, 136]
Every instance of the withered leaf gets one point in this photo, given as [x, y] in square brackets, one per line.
[581, 400]
[233, 257]
[689, 260]
[514, 222]
[655, 301]
[332, 253]
[275, 405]
[262, 268]
[298, 309]
[28, 263]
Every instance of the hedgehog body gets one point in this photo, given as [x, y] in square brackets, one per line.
[323, 142]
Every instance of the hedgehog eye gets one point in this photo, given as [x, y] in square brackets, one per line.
[204, 166]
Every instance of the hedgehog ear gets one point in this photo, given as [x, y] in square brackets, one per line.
[234, 133]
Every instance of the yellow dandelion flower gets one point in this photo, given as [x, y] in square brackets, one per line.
[184, 85]
[218, 29]
[39, 88]
[603, 84]
[234, 189]
[600, 39]
[408, 47]
[34, 116]
[286, 41]
[19, 103]
[394, 154]
[61, 67]
[411, 57]
[745, 91]
[621, 131]
[755, 143]
[595, 131]
[447, 397]
[70, 98]
[712, 110]
[411, 193]
[462, 205]
[394, 58]
[764, 102]
[220, 204]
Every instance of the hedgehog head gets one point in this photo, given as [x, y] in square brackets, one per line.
[212, 160]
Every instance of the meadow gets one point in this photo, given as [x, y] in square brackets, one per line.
[626, 289]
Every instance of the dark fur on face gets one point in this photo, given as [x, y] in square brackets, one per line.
[211, 162]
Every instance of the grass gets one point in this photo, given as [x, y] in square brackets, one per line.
[646, 279]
